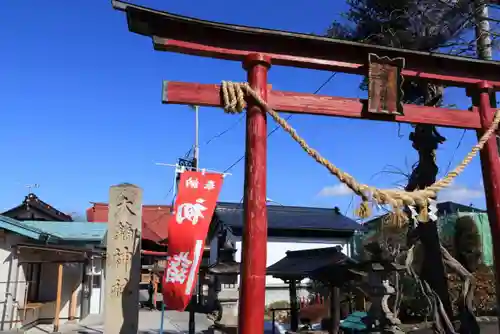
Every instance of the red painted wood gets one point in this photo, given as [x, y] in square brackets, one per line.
[172, 45]
[209, 95]
[490, 164]
[254, 253]
[155, 23]
[153, 253]
[194, 49]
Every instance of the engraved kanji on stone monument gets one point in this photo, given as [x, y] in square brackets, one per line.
[122, 258]
[119, 287]
[123, 261]
[384, 85]
[124, 231]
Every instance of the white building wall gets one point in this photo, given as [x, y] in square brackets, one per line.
[276, 289]
[11, 298]
[72, 279]
[13, 295]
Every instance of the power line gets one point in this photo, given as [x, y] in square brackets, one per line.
[217, 135]
[455, 151]
[286, 118]
[220, 134]
[170, 190]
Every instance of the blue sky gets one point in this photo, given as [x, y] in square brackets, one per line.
[81, 110]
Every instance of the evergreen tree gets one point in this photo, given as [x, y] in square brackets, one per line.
[422, 25]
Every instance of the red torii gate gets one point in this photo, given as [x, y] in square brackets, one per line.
[257, 49]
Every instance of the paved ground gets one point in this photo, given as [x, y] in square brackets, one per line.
[177, 322]
[149, 323]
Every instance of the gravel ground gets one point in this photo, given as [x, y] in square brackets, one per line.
[486, 328]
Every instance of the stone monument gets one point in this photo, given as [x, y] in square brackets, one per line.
[123, 259]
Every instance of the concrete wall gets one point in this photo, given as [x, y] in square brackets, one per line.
[10, 300]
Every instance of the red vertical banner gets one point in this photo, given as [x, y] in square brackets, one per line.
[194, 207]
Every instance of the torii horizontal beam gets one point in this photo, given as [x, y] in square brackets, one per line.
[303, 103]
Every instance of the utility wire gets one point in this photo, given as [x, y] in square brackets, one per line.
[170, 190]
[220, 134]
[455, 151]
[276, 128]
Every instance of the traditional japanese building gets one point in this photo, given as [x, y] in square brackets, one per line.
[34, 209]
[41, 247]
[290, 228]
[50, 273]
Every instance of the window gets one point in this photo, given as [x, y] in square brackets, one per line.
[33, 271]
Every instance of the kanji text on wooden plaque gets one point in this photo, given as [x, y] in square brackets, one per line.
[384, 85]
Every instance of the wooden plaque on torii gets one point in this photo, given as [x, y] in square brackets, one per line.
[384, 85]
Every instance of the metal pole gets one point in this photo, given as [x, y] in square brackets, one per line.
[162, 316]
[489, 155]
[193, 305]
[196, 137]
[483, 38]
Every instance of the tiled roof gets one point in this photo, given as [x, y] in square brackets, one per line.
[32, 200]
[290, 217]
[55, 231]
[452, 207]
[303, 263]
[154, 219]
[70, 231]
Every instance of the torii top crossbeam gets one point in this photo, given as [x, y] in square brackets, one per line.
[234, 42]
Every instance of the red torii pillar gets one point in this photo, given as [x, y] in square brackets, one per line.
[254, 253]
[490, 166]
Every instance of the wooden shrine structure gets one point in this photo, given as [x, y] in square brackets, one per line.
[257, 49]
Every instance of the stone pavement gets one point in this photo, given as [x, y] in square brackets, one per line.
[149, 323]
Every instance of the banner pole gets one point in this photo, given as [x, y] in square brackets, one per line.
[162, 315]
[194, 301]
